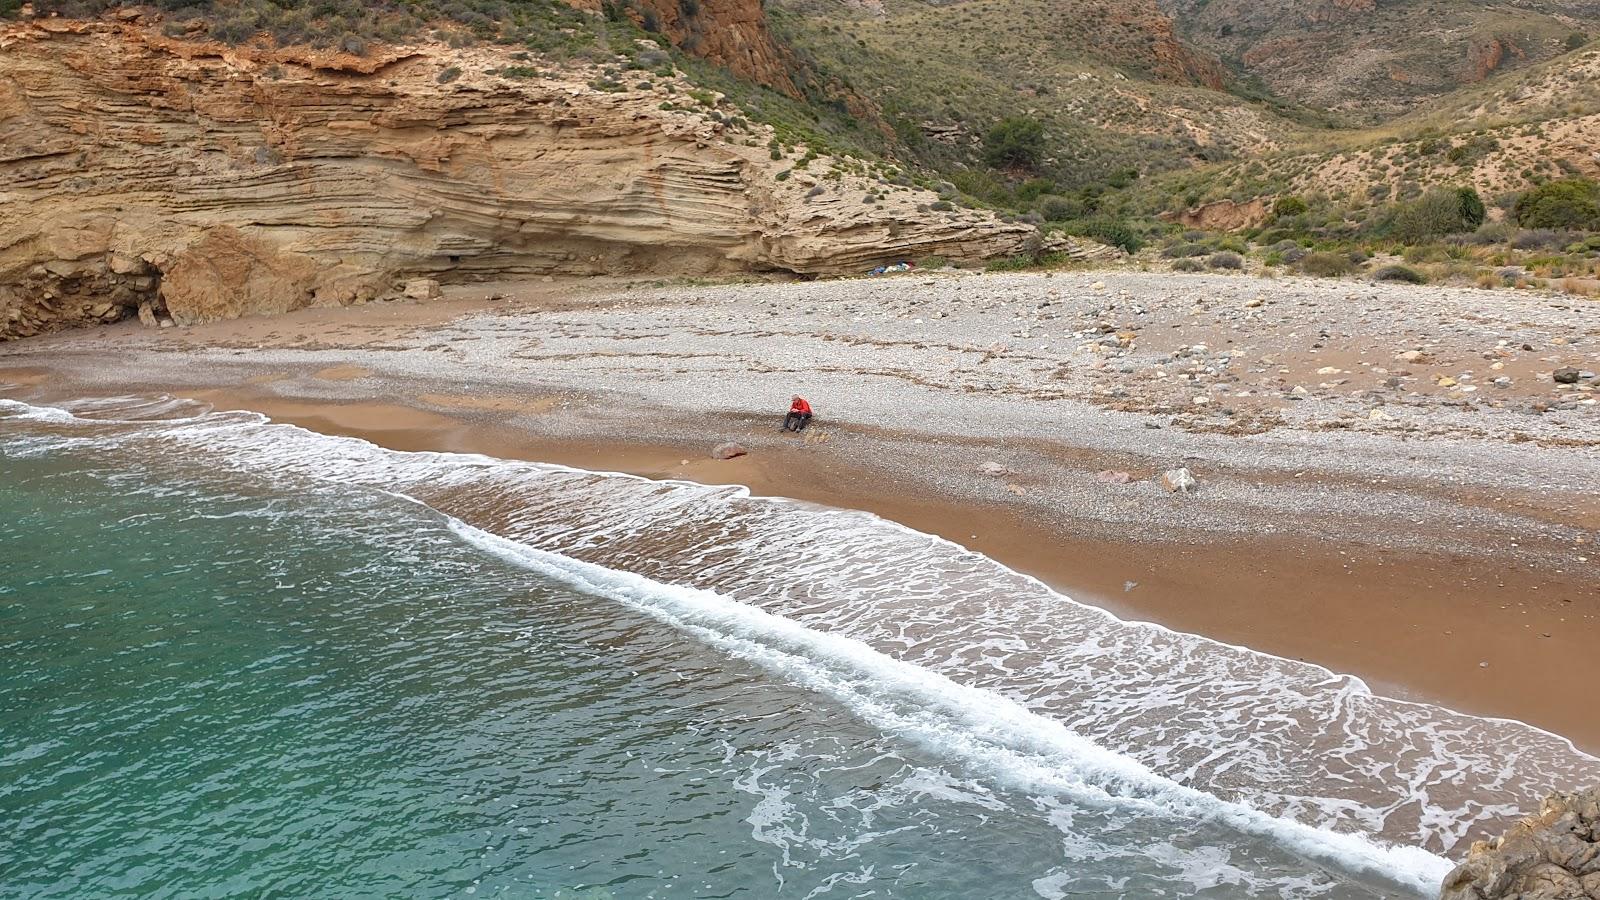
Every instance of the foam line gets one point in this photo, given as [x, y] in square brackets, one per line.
[979, 727]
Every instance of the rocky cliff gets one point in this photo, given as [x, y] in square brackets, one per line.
[730, 33]
[1552, 856]
[198, 181]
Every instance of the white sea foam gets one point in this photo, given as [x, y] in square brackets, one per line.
[987, 731]
[1291, 741]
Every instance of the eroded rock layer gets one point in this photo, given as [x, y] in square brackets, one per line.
[142, 174]
[1552, 856]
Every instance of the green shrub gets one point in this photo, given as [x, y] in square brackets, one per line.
[1011, 263]
[449, 75]
[1115, 232]
[1473, 212]
[942, 206]
[1227, 259]
[1183, 251]
[1440, 211]
[1576, 40]
[1014, 142]
[1327, 264]
[1288, 206]
[1188, 265]
[1563, 203]
[1400, 273]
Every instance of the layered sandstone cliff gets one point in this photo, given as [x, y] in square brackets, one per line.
[1552, 856]
[198, 181]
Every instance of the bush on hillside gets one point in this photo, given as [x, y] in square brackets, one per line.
[1473, 212]
[1184, 250]
[1563, 203]
[1327, 264]
[1438, 212]
[1014, 142]
[1404, 274]
[1288, 206]
[1108, 231]
[1227, 259]
[1188, 265]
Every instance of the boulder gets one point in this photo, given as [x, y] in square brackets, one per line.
[227, 274]
[147, 316]
[422, 289]
[994, 469]
[1567, 375]
[1178, 481]
[1552, 856]
[728, 450]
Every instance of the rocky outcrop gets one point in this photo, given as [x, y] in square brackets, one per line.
[199, 181]
[1225, 215]
[730, 33]
[1552, 856]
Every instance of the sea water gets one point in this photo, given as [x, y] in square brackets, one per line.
[241, 658]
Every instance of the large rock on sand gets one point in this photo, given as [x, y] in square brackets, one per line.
[1552, 856]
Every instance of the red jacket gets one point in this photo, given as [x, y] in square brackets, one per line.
[800, 406]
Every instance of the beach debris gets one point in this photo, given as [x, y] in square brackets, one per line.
[901, 266]
[1178, 481]
[422, 289]
[1129, 585]
[1110, 476]
[1567, 375]
[728, 450]
[994, 469]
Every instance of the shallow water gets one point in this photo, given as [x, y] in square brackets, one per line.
[237, 656]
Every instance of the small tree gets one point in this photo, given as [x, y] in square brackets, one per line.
[1472, 209]
[1015, 142]
[1563, 203]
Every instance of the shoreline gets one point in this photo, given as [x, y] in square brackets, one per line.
[1413, 622]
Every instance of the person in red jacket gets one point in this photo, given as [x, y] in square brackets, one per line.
[799, 415]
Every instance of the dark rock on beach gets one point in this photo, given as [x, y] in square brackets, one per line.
[1552, 856]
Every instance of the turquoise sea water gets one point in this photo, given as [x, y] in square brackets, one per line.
[230, 667]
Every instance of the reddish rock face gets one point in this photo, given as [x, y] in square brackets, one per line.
[731, 33]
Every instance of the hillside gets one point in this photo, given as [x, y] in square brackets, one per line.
[1373, 59]
[1498, 137]
[1114, 86]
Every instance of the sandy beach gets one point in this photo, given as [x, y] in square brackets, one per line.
[1391, 483]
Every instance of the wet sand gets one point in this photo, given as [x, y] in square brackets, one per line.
[1416, 619]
